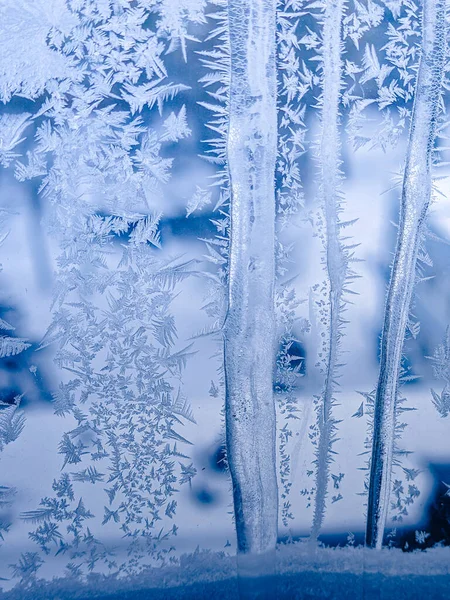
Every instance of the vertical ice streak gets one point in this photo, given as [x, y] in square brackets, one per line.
[335, 254]
[250, 336]
[415, 199]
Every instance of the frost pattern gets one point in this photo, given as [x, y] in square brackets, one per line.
[127, 410]
[290, 204]
[95, 69]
